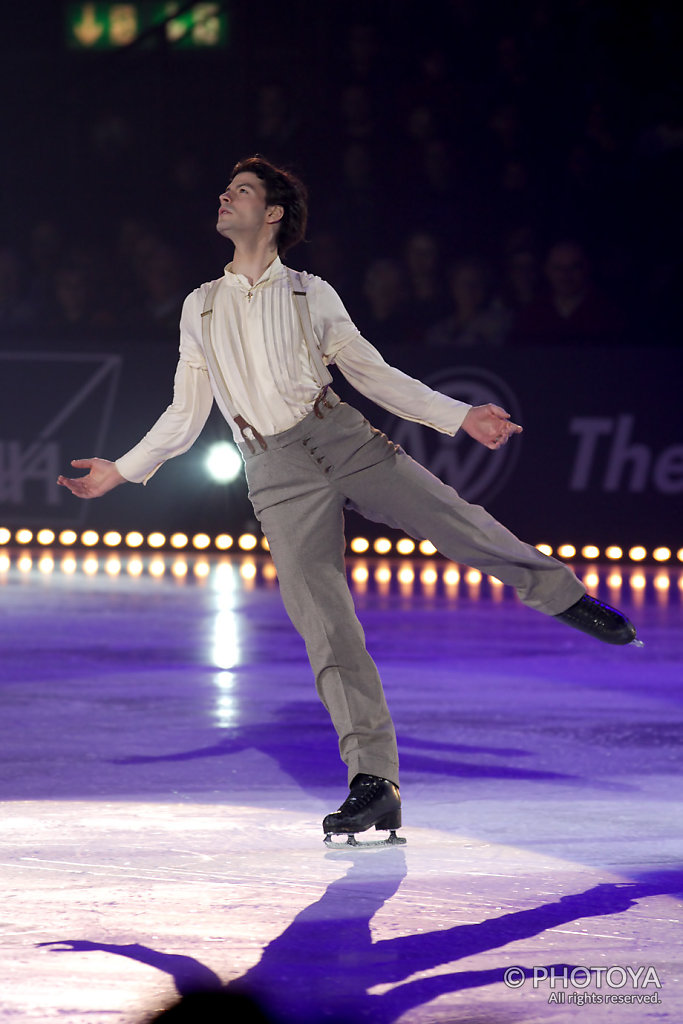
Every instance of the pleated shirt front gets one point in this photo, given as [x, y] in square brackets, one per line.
[261, 349]
[265, 367]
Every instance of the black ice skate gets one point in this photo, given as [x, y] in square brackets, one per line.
[601, 621]
[371, 801]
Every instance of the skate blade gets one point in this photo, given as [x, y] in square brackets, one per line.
[636, 643]
[367, 844]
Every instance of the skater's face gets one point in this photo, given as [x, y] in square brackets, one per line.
[243, 210]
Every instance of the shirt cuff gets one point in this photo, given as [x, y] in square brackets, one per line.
[132, 469]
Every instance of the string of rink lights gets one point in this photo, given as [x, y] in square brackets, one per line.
[47, 551]
[248, 542]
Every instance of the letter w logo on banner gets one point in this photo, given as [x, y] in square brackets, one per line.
[459, 461]
[39, 428]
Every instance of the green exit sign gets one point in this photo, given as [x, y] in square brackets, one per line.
[202, 26]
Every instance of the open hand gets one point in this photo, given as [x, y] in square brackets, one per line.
[103, 477]
[490, 425]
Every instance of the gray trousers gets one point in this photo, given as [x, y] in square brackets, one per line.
[299, 486]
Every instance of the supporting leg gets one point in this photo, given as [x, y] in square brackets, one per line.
[307, 546]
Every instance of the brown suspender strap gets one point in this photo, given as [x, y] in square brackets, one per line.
[301, 303]
[324, 375]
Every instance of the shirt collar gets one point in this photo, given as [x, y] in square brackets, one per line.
[240, 281]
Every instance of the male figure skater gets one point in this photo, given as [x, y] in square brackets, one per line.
[258, 341]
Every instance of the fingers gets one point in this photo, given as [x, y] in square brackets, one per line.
[501, 425]
[77, 464]
[76, 486]
[79, 485]
[504, 433]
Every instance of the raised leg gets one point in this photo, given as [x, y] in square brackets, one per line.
[402, 493]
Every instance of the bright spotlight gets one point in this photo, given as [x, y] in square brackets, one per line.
[223, 463]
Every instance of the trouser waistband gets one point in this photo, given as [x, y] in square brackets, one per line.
[256, 445]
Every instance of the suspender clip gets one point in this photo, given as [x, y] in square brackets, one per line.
[244, 426]
[321, 400]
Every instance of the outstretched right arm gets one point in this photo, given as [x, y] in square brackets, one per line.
[175, 430]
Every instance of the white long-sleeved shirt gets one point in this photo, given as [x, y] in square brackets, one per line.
[264, 360]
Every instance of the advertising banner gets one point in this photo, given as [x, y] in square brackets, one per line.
[600, 459]
[51, 400]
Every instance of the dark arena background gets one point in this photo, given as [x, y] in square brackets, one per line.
[495, 193]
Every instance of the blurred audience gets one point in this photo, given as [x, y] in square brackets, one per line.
[495, 128]
[381, 319]
[277, 124]
[479, 320]
[163, 288]
[17, 313]
[571, 310]
[73, 311]
[521, 275]
[426, 295]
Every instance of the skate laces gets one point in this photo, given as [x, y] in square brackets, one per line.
[362, 799]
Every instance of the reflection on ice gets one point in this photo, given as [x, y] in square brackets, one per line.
[226, 649]
[226, 645]
[227, 706]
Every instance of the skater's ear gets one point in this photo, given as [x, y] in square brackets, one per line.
[274, 214]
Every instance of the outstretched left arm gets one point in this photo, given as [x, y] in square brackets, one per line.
[405, 396]
[490, 425]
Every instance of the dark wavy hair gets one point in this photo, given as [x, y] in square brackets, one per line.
[282, 189]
